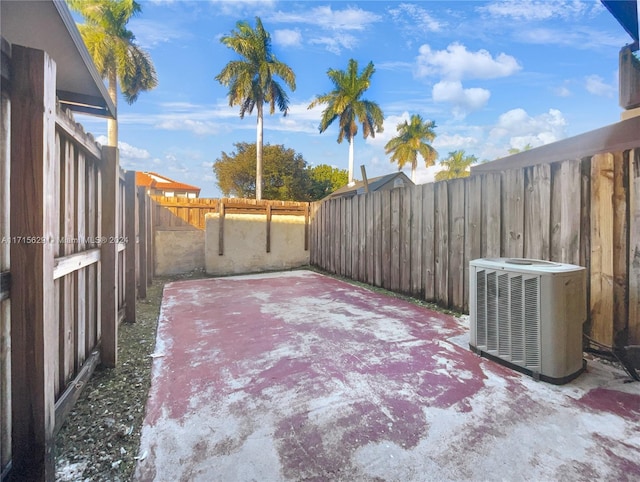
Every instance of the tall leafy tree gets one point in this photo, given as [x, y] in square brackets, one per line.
[114, 50]
[252, 80]
[325, 179]
[456, 165]
[286, 174]
[346, 104]
[412, 140]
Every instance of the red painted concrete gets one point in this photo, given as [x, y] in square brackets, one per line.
[297, 376]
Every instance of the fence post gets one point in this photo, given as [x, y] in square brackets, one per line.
[143, 209]
[108, 257]
[131, 216]
[33, 322]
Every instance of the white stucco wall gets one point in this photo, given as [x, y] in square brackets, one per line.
[178, 251]
[245, 241]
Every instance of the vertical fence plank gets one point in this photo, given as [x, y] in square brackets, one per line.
[67, 298]
[456, 204]
[394, 284]
[92, 232]
[634, 247]
[405, 240]
[362, 234]
[343, 239]
[350, 242]
[601, 248]
[143, 245]
[385, 204]
[472, 229]
[370, 230]
[513, 213]
[565, 212]
[81, 276]
[32, 324]
[416, 241]
[337, 250]
[620, 248]
[131, 219]
[5, 265]
[491, 211]
[537, 211]
[429, 241]
[377, 238]
[108, 257]
[442, 244]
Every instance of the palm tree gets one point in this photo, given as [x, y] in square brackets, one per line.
[114, 51]
[456, 165]
[251, 80]
[345, 103]
[413, 138]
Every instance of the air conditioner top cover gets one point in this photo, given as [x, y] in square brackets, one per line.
[525, 265]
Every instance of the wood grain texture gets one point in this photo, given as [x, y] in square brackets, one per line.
[512, 233]
[491, 215]
[108, 257]
[634, 248]
[131, 221]
[32, 298]
[394, 283]
[429, 241]
[456, 201]
[537, 211]
[566, 201]
[442, 244]
[601, 276]
[473, 229]
[416, 242]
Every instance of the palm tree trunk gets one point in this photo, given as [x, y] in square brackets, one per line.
[112, 124]
[414, 166]
[351, 183]
[259, 154]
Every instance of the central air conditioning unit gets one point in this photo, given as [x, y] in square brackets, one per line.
[528, 314]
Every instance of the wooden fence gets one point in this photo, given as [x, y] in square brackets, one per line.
[63, 262]
[175, 213]
[419, 241]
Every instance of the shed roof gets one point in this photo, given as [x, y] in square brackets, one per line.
[375, 184]
[158, 181]
[48, 25]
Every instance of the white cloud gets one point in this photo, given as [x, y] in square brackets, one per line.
[453, 142]
[336, 43]
[578, 37]
[390, 125]
[414, 18]
[287, 38]
[562, 91]
[350, 18]
[597, 86]
[150, 34]
[516, 128]
[457, 63]
[463, 100]
[238, 7]
[536, 9]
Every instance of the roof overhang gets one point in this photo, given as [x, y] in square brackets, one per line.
[48, 25]
[626, 13]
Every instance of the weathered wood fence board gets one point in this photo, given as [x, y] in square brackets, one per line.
[5, 266]
[420, 240]
[62, 206]
[634, 248]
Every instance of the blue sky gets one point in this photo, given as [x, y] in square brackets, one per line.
[492, 75]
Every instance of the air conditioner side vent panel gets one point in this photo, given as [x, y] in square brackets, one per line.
[518, 313]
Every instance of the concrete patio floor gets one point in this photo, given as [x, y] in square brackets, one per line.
[299, 376]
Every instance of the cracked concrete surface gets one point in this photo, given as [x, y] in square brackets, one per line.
[298, 376]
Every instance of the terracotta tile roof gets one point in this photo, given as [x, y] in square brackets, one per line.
[158, 181]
